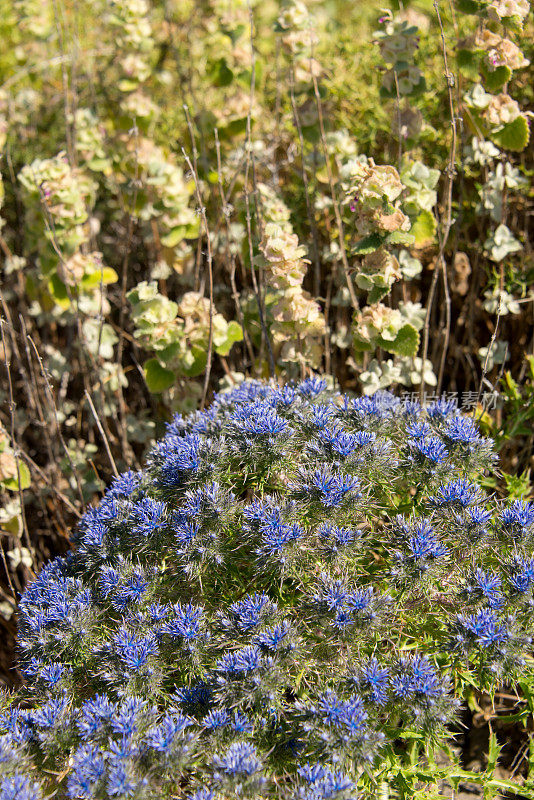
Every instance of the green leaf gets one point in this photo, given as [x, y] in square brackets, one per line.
[493, 754]
[58, 290]
[196, 364]
[106, 276]
[25, 478]
[157, 377]
[128, 85]
[495, 80]
[406, 343]
[513, 136]
[400, 237]
[469, 6]
[369, 244]
[221, 74]
[175, 236]
[234, 334]
[377, 293]
[424, 229]
[468, 62]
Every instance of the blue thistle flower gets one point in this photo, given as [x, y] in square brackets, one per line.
[125, 719]
[218, 718]
[163, 735]
[416, 677]
[483, 629]
[272, 638]
[311, 387]
[522, 575]
[375, 677]
[95, 714]
[462, 431]
[431, 449]
[147, 516]
[126, 484]
[134, 651]
[486, 586]
[88, 769]
[240, 760]
[459, 492]
[442, 408]
[325, 784]
[19, 787]
[186, 622]
[518, 518]
[326, 486]
[250, 611]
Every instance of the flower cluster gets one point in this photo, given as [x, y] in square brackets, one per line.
[237, 614]
[298, 323]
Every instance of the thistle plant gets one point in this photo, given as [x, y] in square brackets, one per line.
[296, 583]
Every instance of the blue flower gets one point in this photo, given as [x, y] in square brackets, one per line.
[125, 719]
[240, 723]
[47, 715]
[318, 417]
[272, 638]
[250, 611]
[336, 443]
[442, 408]
[375, 677]
[522, 575]
[267, 519]
[246, 660]
[416, 677]
[341, 537]
[186, 623]
[349, 716]
[324, 485]
[218, 718]
[419, 429]
[53, 673]
[332, 595]
[87, 770]
[206, 501]
[460, 493]
[19, 787]
[485, 585]
[259, 422]
[462, 431]
[180, 458]
[163, 735]
[312, 387]
[126, 484]
[431, 449]
[423, 543]
[240, 760]
[95, 714]
[148, 516]
[518, 518]
[324, 783]
[120, 783]
[134, 651]
[131, 591]
[108, 580]
[483, 629]
[194, 697]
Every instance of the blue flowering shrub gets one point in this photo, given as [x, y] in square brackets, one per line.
[289, 601]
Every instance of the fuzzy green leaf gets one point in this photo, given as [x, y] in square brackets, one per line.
[157, 377]
[513, 136]
[406, 343]
[424, 229]
[25, 479]
[369, 244]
